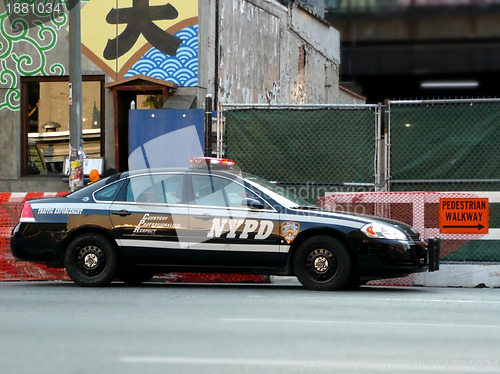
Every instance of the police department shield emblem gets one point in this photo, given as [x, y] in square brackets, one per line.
[290, 231]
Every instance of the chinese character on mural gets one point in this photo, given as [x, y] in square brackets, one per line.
[139, 20]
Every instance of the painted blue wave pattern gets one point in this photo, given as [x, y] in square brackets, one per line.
[181, 68]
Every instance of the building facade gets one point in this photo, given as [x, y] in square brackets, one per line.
[147, 54]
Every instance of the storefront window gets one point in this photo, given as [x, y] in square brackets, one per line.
[46, 122]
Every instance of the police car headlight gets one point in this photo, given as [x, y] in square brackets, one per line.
[381, 231]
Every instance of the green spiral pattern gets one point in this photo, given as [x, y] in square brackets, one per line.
[39, 40]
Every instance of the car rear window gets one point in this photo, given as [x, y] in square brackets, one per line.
[108, 193]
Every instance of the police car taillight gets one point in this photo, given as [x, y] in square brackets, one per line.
[207, 162]
[27, 213]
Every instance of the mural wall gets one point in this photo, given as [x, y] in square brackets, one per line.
[24, 48]
[156, 38]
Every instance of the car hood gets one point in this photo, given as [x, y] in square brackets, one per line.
[361, 219]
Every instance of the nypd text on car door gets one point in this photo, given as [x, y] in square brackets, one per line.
[229, 221]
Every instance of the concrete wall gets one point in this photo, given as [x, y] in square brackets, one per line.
[252, 43]
[269, 53]
[314, 52]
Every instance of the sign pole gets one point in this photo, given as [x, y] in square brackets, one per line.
[76, 154]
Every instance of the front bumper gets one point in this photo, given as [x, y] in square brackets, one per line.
[391, 259]
[434, 253]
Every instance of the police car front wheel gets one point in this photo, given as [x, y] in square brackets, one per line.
[90, 260]
[322, 263]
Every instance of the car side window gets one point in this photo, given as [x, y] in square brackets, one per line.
[212, 190]
[207, 191]
[156, 189]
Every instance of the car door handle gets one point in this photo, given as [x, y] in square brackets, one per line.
[204, 216]
[122, 213]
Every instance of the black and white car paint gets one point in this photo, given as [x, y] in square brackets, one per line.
[133, 225]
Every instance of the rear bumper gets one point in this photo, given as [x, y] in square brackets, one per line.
[27, 243]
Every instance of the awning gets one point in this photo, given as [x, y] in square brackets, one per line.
[180, 102]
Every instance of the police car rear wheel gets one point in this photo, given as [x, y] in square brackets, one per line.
[90, 260]
[322, 263]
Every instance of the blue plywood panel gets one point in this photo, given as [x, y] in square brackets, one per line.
[165, 137]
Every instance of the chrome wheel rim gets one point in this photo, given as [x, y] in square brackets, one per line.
[91, 260]
[321, 265]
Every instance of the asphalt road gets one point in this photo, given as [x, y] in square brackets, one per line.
[56, 327]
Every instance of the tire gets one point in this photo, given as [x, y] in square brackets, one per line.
[90, 260]
[353, 283]
[134, 277]
[322, 263]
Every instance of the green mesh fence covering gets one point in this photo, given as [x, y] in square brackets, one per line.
[307, 149]
[446, 146]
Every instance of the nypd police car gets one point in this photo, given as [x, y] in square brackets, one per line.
[210, 218]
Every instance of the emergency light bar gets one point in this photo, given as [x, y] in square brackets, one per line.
[209, 162]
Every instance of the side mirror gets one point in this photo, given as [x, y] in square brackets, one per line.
[252, 203]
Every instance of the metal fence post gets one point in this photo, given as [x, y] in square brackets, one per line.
[220, 130]
[387, 131]
[208, 125]
[379, 149]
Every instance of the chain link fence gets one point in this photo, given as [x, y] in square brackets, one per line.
[443, 145]
[432, 145]
[322, 152]
[309, 150]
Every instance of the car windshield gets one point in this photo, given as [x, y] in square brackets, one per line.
[281, 195]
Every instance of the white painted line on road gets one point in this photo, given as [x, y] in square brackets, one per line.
[411, 300]
[202, 361]
[479, 366]
[342, 322]
[445, 301]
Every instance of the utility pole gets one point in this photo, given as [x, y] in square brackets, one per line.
[76, 154]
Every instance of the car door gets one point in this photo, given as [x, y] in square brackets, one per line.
[231, 226]
[151, 221]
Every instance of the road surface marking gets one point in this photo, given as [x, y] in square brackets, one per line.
[343, 322]
[480, 366]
